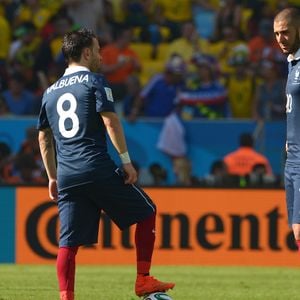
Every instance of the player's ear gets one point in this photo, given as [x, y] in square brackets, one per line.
[86, 53]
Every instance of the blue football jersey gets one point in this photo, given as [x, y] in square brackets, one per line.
[71, 107]
[293, 110]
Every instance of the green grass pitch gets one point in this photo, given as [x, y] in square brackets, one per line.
[36, 282]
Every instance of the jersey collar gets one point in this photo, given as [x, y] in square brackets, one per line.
[295, 56]
[74, 69]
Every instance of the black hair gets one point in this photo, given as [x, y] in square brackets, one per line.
[246, 140]
[217, 165]
[75, 41]
[290, 14]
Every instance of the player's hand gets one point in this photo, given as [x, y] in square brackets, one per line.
[130, 173]
[53, 189]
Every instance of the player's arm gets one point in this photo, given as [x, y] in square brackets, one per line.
[116, 134]
[136, 108]
[48, 155]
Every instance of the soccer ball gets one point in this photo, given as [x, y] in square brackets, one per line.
[157, 296]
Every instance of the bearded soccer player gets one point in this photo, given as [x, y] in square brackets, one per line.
[76, 113]
[287, 32]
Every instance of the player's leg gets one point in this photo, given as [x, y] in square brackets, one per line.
[144, 241]
[65, 266]
[127, 205]
[79, 223]
[289, 192]
[295, 176]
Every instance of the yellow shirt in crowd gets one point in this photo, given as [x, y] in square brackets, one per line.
[39, 18]
[240, 94]
[5, 37]
[176, 10]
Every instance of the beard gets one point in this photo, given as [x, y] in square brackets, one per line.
[296, 45]
[95, 66]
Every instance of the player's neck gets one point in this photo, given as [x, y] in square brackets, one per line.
[77, 64]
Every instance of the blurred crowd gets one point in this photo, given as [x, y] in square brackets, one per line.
[189, 58]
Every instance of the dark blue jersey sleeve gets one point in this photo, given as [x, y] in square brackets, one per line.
[43, 120]
[104, 96]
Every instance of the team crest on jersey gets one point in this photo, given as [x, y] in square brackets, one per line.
[296, 79]
[109, 94]
[297, 74]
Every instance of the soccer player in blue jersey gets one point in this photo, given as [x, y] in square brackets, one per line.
[287, 32]
[77, 111]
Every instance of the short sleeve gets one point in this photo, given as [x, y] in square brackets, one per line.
[43, 119]
[104, 96]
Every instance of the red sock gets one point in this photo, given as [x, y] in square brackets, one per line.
[144, 240]
[298, 244]
[65, 266]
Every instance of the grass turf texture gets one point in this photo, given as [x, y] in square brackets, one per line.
[35, 282]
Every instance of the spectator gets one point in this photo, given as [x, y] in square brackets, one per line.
[188, 43]
[259, 10]
[259, 177]
[119, 61]
[26, 167]
[173, 14]
[153, 175]
[224, 49]
[115, 13]
[240, 84]
[26, 41]
[159, 174]
[146, 24]
[269, 101]
[23, 53]
[33, 11]
[5, 40]
[203, 95]
[204, 17]
[49, 63]
[218, 175]
[182, 168]
[31, 146]
[25, 171]
[157, 99]
[228, 15]
[133, 87]
[241, 161]
[61, 25]
[138, 14]
[263, 46]
[8, 9]
[18, 99]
